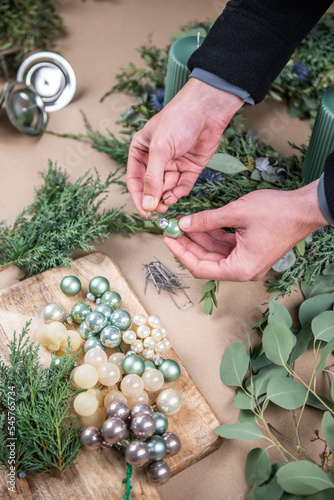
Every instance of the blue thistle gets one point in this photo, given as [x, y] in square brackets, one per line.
[156, 99]
[206, 175]
[299, 71]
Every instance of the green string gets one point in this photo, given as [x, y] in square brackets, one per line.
[127, 482]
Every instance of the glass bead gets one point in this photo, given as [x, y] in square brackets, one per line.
[85, 376]
[53, 312]
[108, 373]
[163, 330]
[92, 343]
[112, 298]
[79, 311]
[114, 395]
[143, 331]
[168, 343]
[150, 343]
[111, 336]
[169, 401]
[105, 309]
[95, 357]
[70, 285]
[129, 337]
[121, 319]
[153, 380]
[132, 386]
[173, 230]
[85, 404]
[148, 353]
[160, 347]
[157, 447]
[97, 419]
[96, 321]
[117, 358]
[170, 370]
[137, 346]
[84, 332]
[99, 285]
[138, 320]
[161, 422]
[142, 398]
[156, 333]
[153, 321]
[133, 364]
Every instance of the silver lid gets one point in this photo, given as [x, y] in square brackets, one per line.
[3, 91]
[52, 77]
[25, 109]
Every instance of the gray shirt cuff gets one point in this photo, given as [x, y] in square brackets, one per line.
[221, 84]
[323, 202]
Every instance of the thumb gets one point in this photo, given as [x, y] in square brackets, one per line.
[210, 219]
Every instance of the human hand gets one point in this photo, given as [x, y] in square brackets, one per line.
[268, 223]
[169, 153]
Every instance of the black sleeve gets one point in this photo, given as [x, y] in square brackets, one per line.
[252, 40]
[329, 182]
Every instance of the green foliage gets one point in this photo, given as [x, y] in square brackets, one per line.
[64, 216]
[267, 374]
[209, 291]
[27, 25]
[35, 409]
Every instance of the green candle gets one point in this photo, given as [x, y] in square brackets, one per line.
[322, 139]
[177, 70]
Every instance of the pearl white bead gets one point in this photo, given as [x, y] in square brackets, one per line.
[95, 357]
[142, 398]
[156, 333]
[139, 319]
[132, 385]
[148, 353]
[97, 419]
[85, 376]
[160, 347]
[153, 380]
[85, 404]
[163, 330]
[114, 395]
[137, 346]
[143, 331]
[169, 401]
[129, 337]
[153, 321]
[108, 373]
[150, 343]
[168, 343]
[117, 358]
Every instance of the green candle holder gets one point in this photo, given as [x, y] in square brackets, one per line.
[322, 139]
[177, 70]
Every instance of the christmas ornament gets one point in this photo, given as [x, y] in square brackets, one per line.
[53, 312]
[112, 298]
[70, 285]
[159, 472]
[169, 401]
[98, 286]
[79, 312]
[157, 447]
[170, 370]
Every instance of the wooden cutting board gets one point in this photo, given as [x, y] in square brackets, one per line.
[98, 475]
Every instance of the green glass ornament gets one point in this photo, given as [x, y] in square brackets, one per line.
[121, 319]
[157, 447]
[84, 331]
[96, 321]
[149, 364]
[133, 364]
[98, 286]
[105, 309]
[93, 342]
[172, 230]
[79, 312]
[111, 336]
[161, 422]
[70, 285]
[170, 369]
[112, 298]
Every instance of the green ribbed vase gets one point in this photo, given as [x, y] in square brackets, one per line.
[177, 70]
[322, 139]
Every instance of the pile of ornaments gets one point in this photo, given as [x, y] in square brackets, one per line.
[114, 402]
[141, 432]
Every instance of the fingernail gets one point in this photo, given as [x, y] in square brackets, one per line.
[148, 203]
[185, 222]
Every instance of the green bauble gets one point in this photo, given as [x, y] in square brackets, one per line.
[133, 364]
[70, 285]
[173, 230]
[157, 447]
[84, 332]
[79, 311]
[149, 364]
[121, 319]
[161, 422]
[170, 369]
[98, 286]
[96, 321]
[111, 336]
[93, 342]
[105, 309]
[112, 298]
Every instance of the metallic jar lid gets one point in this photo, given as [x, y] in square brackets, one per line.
[25, 109]
[52, 77]
[3, 91]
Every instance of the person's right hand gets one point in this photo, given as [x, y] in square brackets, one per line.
[169, 153]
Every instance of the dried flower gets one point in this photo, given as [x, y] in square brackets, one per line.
[299, 71]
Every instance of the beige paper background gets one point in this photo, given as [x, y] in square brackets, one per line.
[100, 37]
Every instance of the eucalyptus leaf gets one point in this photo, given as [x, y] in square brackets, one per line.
[268, 491]
[303, 338]
[247, 416]
[300, 248]
[286, 393]
[323, 326]
[244, 401]
[325, 352]
[257, 385]
[208, 306]
[279, 314]
[234, 364]
[327, 428]
[329, 270]
[332, 388]
[227, 164]
[313, 401]
[258, 467]
[261, 362]
[208, 286]
[277, 342]
[243, 430]
[322, 284]
[313, 306]
[303, 478]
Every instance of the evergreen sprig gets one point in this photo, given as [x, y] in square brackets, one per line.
[35, 407]
[64, 216]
